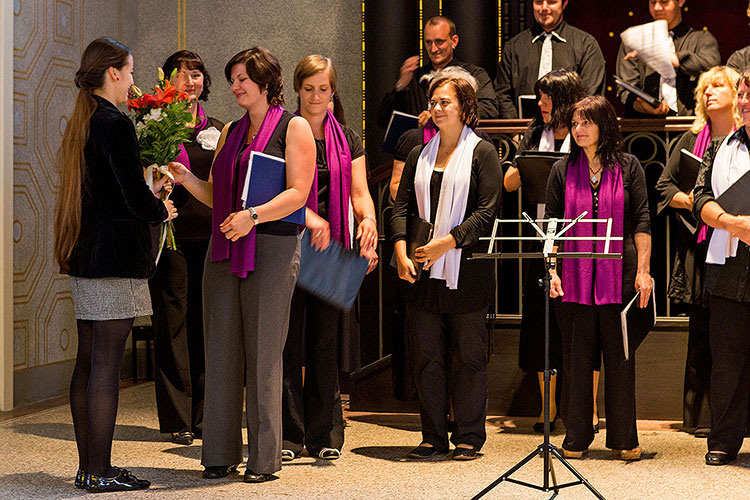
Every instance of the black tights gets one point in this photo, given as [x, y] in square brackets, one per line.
[94, 391]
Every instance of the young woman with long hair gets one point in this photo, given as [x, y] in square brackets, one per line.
[102, 240]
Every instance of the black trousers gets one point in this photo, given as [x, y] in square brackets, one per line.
[730, 373]
[455, 342]
[311, 411]
[585, 329]
[695, 409]
[176, 296]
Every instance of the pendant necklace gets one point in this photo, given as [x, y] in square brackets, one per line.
[594, 174]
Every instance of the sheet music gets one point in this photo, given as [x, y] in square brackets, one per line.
[651, 40]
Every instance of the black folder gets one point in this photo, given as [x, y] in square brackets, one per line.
[419, 233]
[399, 123]
[527, 106]
[689, 166]
[334, 274]
[651, 100]
[534, 168]
[736, 199]
[636, 323]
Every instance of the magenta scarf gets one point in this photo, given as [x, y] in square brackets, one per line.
[182, 156]
[240, 252]
[429, 131]
[339, 160]
[578, 274]
[701, 145]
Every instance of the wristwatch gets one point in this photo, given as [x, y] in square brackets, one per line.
[253, 214]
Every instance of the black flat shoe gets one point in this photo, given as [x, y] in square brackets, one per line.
[124, 481]
[464, 454]
[184, 437]
[717, 458]
[81, 478]
[219, 471]
[702, 432]
[421, 452]
[252, 477]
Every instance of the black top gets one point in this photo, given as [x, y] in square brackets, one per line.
[324, 176]
[518, 69]
[415, 137]
[740, 60]
[412, 99]
[730, 280]
[117, 206]
[637, 219]
[194, 222]
[697, 51]
[686, 283]
[475, 279]
[276, 147]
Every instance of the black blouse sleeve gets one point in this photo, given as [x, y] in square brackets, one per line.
[668, 183]
[408, 141]
[555, 206]
[489, 182]
[355, 143]
[121, 145]
[402, 206]
[639, 216]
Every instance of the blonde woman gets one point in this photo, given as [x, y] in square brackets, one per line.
[716, 116]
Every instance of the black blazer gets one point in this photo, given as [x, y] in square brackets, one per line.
[117, 205]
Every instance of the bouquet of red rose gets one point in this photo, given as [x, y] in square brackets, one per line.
[161, 122]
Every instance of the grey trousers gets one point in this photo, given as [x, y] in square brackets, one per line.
[246, 322]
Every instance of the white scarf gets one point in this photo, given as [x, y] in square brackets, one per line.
[547, 142]
[454, 193]
[732, 162]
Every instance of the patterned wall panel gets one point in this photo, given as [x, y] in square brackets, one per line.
[49, 36]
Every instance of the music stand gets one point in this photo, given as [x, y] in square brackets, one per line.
[550, 237]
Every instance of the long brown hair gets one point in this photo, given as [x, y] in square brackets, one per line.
[100, 55]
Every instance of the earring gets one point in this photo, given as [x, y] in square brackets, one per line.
[265, 91]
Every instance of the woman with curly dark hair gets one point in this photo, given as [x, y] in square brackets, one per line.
[453, 182]
[600, 178]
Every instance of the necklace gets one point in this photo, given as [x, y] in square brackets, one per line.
[594, 174]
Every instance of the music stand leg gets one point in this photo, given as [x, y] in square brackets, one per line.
[546, 449]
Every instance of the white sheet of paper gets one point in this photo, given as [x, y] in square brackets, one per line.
[651, 40]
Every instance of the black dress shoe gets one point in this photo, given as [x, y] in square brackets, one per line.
[717, 458]
[219, 471]
[252, 477]
[702, 432]
[421, 452]
[81, 478]
[123, 481]
[464, 454]
[184, 437]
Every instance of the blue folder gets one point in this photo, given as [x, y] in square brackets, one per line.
[333, 275]
[266, 178]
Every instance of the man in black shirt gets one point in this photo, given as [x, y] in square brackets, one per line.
[409, 95]
[550, 44]
[695, 51]
[740, 59]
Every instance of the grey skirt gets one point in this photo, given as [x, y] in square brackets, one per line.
[101, 299]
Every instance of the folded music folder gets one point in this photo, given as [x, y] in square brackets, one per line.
[534, 168]
[334, 274]
[398, 124]
[689, 167]
[637, 322]
[651, 100]
[265, 179]
[736, 199]
[418, 234]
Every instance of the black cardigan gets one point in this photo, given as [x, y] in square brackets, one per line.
[476, 277]
[117, 205]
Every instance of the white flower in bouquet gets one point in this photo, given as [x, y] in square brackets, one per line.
[209, 138]
[153, 115]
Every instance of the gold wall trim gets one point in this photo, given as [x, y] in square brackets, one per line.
[421, 45]
[181, 24]
[363, 73]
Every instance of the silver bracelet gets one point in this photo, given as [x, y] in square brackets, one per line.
[369, 217]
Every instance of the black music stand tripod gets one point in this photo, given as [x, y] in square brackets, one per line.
[547, 450]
